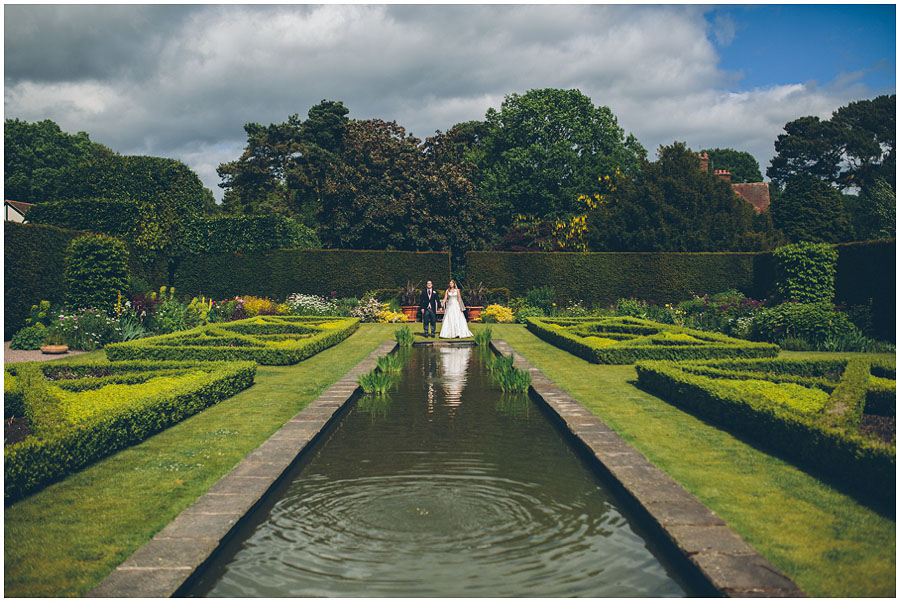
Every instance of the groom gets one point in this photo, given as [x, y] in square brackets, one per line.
[429, 304]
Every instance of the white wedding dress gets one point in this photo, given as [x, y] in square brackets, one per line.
[454, 324]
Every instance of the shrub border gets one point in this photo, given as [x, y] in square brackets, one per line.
[37, 462]
[261, 351]
[722, 346]
[826, 442]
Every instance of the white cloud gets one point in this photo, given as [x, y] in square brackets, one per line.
[206, 71]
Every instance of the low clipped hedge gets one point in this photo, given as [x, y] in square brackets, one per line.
[625, 340]
[77, 421]
[267, 340]
[825, 440]
[279, 273]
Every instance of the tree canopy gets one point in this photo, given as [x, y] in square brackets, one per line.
[282, 169]
[673, 205]
[811, 210]
[852, 149]
[391, 191]
[742, 165]
[546, 147]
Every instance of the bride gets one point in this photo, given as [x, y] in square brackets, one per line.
[454, 324]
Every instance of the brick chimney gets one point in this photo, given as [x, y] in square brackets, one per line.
[704, 161]
[724, 174]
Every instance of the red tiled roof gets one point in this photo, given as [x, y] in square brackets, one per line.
[757, 193]
[19, 206]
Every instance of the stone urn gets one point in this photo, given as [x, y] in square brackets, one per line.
[54, 349]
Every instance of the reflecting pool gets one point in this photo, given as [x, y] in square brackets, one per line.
[443, 488]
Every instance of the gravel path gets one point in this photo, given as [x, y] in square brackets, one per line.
[17, 355]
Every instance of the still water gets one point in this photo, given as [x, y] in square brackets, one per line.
[443, 488]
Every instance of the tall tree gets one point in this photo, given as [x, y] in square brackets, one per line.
[852, 149]
[742, 165]
[390, 191]
[40, 160]
[282, 169]
[546, 147]
[673, 205]
[811, 210]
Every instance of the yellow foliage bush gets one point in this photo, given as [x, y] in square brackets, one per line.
[254, 306]
[283, 308]
[386, 316]
[497, 313]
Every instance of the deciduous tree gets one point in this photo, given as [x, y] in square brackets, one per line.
[546, 147]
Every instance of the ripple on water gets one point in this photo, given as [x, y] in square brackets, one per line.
[377, 535]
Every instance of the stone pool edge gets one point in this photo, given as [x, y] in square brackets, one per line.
[720, 555]
[160, 568]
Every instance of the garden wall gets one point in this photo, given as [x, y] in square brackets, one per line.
[279, 273]
[34, 257]
[596, 277]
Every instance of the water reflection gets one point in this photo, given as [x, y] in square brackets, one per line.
[434, 494]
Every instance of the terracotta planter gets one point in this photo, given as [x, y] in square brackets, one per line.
[411, 311]
[51, 349]
[474, 312]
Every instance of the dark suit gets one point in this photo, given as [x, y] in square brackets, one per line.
[429, 307]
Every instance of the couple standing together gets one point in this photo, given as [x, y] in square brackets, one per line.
[454, 324]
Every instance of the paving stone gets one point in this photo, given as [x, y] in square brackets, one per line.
[649, 484]
[259, 468]
[173, 553]
[223, 503]
[232, 483]
[743, 574]
[140, 583]
[192, 525]
[671, 513]
[696, 539]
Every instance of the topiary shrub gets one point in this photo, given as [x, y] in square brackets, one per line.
[96, 271]
[804, 272]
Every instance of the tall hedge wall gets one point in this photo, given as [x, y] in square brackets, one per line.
[34, 257]
[595, 277]
[313, 271]
[867, 270]
[246, 233]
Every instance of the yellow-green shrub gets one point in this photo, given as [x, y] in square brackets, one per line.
[71, 430]
[497, 313]
[254, 306]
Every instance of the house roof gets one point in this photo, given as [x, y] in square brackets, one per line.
[757, 193]
[18, 205]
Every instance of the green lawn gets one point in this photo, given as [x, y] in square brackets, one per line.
[824, 540]
[65, 539]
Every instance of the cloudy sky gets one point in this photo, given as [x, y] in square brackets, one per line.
[181, 81]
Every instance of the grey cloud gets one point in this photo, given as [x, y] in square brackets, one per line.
[182, 81]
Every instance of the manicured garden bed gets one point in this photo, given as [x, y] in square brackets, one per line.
[82, 411]
[625, 340]
[826, 541]
[267, 340]
[810, 411]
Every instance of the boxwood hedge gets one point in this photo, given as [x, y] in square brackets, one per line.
[81, 412]
[268, 340]
[625, 340]
[824, 440]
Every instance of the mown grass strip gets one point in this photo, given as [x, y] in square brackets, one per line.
[63, 540]
[828, 543]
